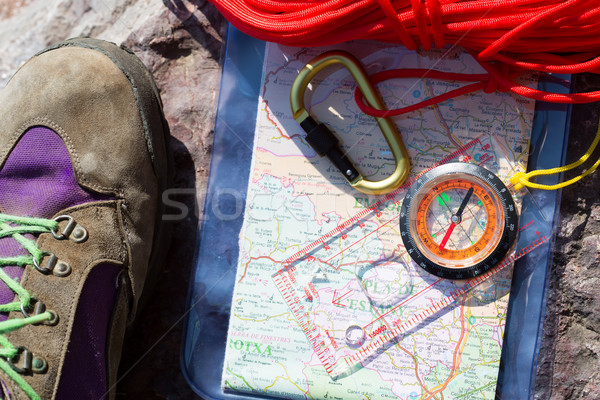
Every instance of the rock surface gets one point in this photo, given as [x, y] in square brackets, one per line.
[181, 42]
[569, 366]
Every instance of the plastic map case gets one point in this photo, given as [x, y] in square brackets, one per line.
[303, 288]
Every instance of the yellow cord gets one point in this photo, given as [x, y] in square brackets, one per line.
[521, 179]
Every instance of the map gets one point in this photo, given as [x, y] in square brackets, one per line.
[354, 284]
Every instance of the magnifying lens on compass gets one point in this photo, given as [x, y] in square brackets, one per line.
[458, 221]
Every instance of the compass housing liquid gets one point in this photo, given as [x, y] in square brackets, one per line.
[458, 221]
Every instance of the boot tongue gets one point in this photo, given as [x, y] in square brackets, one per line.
[37, 180]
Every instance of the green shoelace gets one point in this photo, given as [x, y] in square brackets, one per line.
[16, 227]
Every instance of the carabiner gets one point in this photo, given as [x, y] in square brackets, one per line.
[325, 143]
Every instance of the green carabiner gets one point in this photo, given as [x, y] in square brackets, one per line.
[325, 143]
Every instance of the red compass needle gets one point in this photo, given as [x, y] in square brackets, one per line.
[447, 236]
[456, 218]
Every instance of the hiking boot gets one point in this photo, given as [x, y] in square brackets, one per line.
[82, 166]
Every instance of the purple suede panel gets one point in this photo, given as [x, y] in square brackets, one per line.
[37, 180]
[84, 368]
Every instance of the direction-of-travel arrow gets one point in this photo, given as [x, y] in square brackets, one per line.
[335, 301]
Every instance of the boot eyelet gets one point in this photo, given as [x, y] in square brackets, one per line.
[67, 229]
[25, 357]
[72, 230]
[47, 269]
[53, 265]
[38, 309]
[29, 362]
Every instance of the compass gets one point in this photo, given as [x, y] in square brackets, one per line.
[458, 221]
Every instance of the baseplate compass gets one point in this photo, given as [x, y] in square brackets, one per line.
[458, 221]
[353, 310]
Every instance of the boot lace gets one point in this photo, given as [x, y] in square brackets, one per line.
[16, 227]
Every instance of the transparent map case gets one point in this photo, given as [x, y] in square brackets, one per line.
[213, 277]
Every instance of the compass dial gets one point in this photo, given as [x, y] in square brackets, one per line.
[458, 221]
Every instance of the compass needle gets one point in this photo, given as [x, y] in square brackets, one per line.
[464, 202]
[447, 236]
[456, 219]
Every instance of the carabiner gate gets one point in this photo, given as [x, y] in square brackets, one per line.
[324, 141]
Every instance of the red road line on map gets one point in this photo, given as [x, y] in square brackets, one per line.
[264, 89]
[254, 259]
[457, 353]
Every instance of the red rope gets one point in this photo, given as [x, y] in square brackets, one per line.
[481, 83]
[550, 36]
[494, 80]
